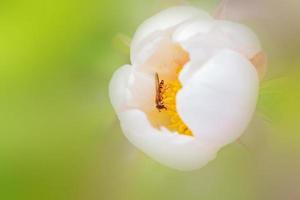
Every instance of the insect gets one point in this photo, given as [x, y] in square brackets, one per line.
[159, 86]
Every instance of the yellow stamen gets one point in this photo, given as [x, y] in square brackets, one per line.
[169, 99]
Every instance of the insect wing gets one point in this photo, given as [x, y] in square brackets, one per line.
[156, 88]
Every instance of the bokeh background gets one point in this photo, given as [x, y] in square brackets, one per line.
[59, 136]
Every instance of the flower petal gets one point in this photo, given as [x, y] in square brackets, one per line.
[118, 88]
[142, 91]
[164, 60]
[220, 33]
[218, 102]
[188, 30]
[154, 43]
[206, 38]
[171, 149]
[162, 21]
[243, 39]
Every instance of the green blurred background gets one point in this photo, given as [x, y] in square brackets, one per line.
[59, 137]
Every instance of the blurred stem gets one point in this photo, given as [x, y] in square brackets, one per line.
[122, 43]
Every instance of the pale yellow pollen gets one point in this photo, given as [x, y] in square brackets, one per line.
[169, 99]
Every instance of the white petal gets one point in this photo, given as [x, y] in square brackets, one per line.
[171, 149]
[162, 21]
[188, 30]
[164, 60]
[148, 48]
[218, 102]
[237, 36]
[243, 39]
[204, 39]
[142, 91]
[118, 88]
[132, 89]
[201, 48]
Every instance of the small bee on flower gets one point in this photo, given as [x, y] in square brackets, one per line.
[159, 87]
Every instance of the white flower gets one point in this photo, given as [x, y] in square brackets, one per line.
[209, 90]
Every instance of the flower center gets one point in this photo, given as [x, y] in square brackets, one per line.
[168, 98]
[165, 64]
